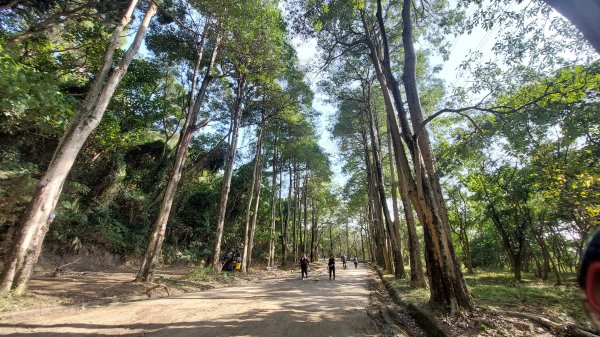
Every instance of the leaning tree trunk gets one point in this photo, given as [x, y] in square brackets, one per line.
[226, 185]
[28, 239]
[191, 125]
[253, 185]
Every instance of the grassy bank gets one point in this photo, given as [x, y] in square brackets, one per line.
[499, 290]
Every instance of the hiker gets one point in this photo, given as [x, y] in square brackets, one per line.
[344, 261]
[304, 265]
[331, 266]
[355, 262]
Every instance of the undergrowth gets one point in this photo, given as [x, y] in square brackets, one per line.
[208, 274]
[12, 301]
[498, 289]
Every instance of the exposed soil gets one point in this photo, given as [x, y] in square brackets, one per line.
[265, 303]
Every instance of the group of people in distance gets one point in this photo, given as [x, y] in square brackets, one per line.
[304, 262]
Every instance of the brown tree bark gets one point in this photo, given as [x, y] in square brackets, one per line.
[9, 5]
[305, 217]
[513, 250]
[271, 260]
[284, 242]
[313, 232]
[395, 206]
[375, 207]
[255, 213]
[191, 125]
[253, 184]
[393, 233]
[29, 236]
[60, 18]
[446, 281]
[295, 223]
[235, 126]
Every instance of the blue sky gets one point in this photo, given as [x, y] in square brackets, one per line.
[307, 51]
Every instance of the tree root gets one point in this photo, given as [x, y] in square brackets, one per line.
[563, 330]
[147, 292]
[60, 269]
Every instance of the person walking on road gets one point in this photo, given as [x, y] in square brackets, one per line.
[331, 266]
[344, 261]
[355, 262]
[304, 265]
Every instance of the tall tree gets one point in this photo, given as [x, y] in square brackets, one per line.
[254, 54]
[191, 125]
[27, 244]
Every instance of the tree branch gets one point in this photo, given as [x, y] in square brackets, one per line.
[9, 5]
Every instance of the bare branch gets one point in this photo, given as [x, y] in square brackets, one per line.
[9, 5]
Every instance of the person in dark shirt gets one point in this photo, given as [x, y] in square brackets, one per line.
[344, 261]
[331, 267]
[304, 265]
[355, 262]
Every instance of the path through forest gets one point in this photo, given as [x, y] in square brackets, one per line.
[286, 306]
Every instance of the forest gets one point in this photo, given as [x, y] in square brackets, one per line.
[182, 131]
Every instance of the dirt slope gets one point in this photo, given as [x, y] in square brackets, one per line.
[287, 306]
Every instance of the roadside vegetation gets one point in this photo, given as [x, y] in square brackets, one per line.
[140, 135]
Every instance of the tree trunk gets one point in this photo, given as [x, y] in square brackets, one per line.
[271, 261]
[255, 213]
[27, 242]
[294, 223]
[376, 208]
[9, 5]
[305, 193]
[394, 191]
[299, 207]
[190, 126]
[447, 284]
[417, 277]
[514, 254]
[60, 18]
[280, 202]
[362, 245]
[393, 232]
[235, 126]
[253, 185]
[285, 225]
[330, 239]
[313, 233]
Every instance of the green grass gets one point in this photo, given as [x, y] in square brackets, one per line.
[11, 302]
[498, 289]
[208, 274]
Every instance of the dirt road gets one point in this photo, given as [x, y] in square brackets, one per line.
[287, 306]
